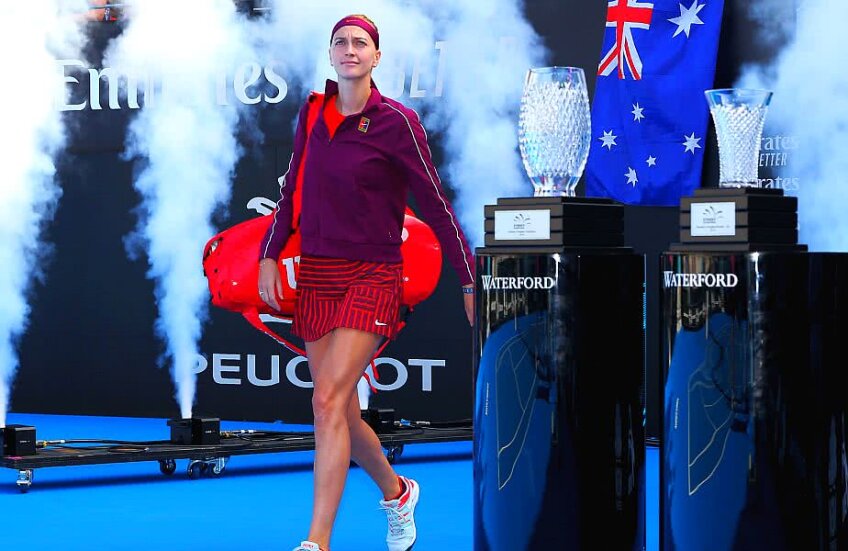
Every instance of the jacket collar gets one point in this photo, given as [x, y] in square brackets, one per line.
[331, 88]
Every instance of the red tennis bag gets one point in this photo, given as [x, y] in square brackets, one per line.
[231, 266]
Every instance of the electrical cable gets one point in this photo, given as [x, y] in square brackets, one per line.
[407, 431]
[124, 446]
[51, 443]
[434, 425]
[112, 449]
[441, 429]
[265, 436]
[280, 438]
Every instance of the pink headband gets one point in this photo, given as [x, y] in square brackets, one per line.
[362, 24]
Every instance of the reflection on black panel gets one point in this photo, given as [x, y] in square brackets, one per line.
[558, 385]
[755, 403]
[517, 408]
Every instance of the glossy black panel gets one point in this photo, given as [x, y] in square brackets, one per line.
[756, 392]
[558, 433]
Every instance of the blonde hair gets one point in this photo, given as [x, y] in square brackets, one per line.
[365, 17]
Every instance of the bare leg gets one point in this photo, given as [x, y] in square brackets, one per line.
[337, 366]
[366, 450]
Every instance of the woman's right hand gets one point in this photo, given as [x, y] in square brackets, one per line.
[270, 283]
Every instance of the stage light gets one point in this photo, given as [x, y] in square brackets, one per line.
[195, 431]
[17, 440]
[382, 420]
[252, 8]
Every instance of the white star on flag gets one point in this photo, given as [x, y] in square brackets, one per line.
[691, 143]
[688, 17]
[608, 139]
[631, 177]
[652, 161]
[637, 112]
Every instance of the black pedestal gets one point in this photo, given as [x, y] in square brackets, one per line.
[738, 220]
[558, 435]
[755, 455]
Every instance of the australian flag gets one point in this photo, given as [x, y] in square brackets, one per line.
[649, 114]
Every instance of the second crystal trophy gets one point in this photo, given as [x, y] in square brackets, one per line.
[739, 115]
[738, 215]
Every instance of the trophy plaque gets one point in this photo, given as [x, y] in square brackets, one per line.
[738, 219]
[554, 222]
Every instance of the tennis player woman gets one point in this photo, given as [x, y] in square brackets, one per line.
[353, 171]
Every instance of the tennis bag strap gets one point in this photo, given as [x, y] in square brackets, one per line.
[316, 103]
[253, 317]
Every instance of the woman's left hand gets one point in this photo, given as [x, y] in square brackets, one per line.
[468, 300]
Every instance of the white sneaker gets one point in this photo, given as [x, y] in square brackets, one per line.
[307, 546]
[401, 515]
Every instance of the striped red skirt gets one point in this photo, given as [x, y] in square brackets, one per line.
[333, 292]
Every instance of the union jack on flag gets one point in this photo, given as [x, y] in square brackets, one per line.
[649, 114]
[624, 16]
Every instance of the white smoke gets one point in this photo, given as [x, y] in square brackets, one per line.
[35, 134]
[186, 147]
[811, 104]
[466, 60]
[490, 48]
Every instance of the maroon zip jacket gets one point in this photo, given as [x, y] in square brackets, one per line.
[355, 187]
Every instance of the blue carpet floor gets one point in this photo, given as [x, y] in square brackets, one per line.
[260, 502]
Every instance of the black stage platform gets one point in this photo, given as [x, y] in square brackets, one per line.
[203, 459]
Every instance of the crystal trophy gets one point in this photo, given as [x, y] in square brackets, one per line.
[554, 135]
[738, 215]
[554, 129]
[739, 115]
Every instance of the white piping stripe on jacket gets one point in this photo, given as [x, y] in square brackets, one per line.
[277, 211]
[435, 187]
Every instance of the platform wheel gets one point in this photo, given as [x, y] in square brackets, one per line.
[217, 466]
[24, 480]
[167, 466]
[196, 469]
[393, 453]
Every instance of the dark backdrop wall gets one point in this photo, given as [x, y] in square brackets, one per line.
[90, 346]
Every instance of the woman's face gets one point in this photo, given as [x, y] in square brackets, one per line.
[352, 53]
